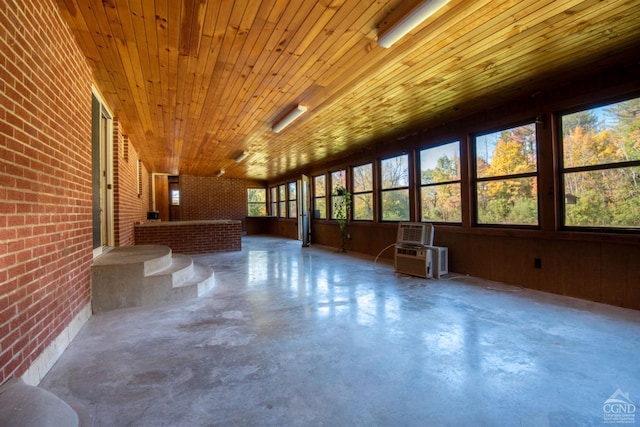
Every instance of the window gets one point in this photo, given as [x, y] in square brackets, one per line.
[282, 201]
[320, 197]
[506, 172]
[394, 188]
[338, 179]
[440, 183]
[175, 197]
[601, 166]
[274, 201]
[362, 194]
[293, 208]
[257, 201]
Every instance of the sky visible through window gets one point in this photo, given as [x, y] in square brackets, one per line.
[486, 145]
[449, 151]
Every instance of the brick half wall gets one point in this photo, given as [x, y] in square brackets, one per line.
[192, 237]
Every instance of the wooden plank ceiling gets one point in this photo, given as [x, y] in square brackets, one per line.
[195, 83]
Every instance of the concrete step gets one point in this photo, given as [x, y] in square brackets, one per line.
[200, 283]
[202, 279]
[134, 276]
[180, 269]
[185, 280]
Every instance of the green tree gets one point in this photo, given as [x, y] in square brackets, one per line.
[257, 201]
[583, 119]
[342, 209]
[627, 127]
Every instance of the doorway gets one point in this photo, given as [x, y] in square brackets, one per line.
[101, 175]
[304, 203]
[174, 198]
[167, 197]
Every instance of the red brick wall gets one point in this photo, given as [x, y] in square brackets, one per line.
[130, 188]
[185, 238]
[205, 198]
[45, 181]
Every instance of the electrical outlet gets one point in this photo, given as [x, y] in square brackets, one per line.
[537, 262]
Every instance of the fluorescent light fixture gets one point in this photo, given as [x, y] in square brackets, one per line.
[220, 173]
[241, 157]
[414, 18]
[286, 120]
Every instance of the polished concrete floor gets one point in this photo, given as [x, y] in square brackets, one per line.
[295, 336]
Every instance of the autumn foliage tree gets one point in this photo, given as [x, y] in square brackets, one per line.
[507, 186]
[601, 157]
[440, 193]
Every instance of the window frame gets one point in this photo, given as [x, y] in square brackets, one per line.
[563, 171]
[282, 200]
[323, 212]
[292, 200]
[509, 177]
[332, 197]
[262, 204]
[422, 186]
[355, 194]
[273, 200]
[382, 190]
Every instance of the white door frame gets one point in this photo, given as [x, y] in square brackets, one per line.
[106, 179]
[304, 217]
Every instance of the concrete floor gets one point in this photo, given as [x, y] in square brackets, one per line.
[309, 337]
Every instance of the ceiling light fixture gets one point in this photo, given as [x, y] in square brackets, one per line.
[220, 173]
[286, 120]
[414, 18]
[241, 157]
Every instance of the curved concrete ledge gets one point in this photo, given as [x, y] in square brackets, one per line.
[25, 405]
[154, 258]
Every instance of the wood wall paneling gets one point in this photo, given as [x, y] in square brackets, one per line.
[161, 192]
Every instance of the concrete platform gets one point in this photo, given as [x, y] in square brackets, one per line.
[153, 258]
[295, 336]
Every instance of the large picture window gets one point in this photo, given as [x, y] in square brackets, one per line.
[320, 197]
[362, 195]
[273, 195]
[601, 166]
[394, 188]
[507, 176]
[440, 197]
[257, 201]
[282, 201]
[293, 206]
[338, 179]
